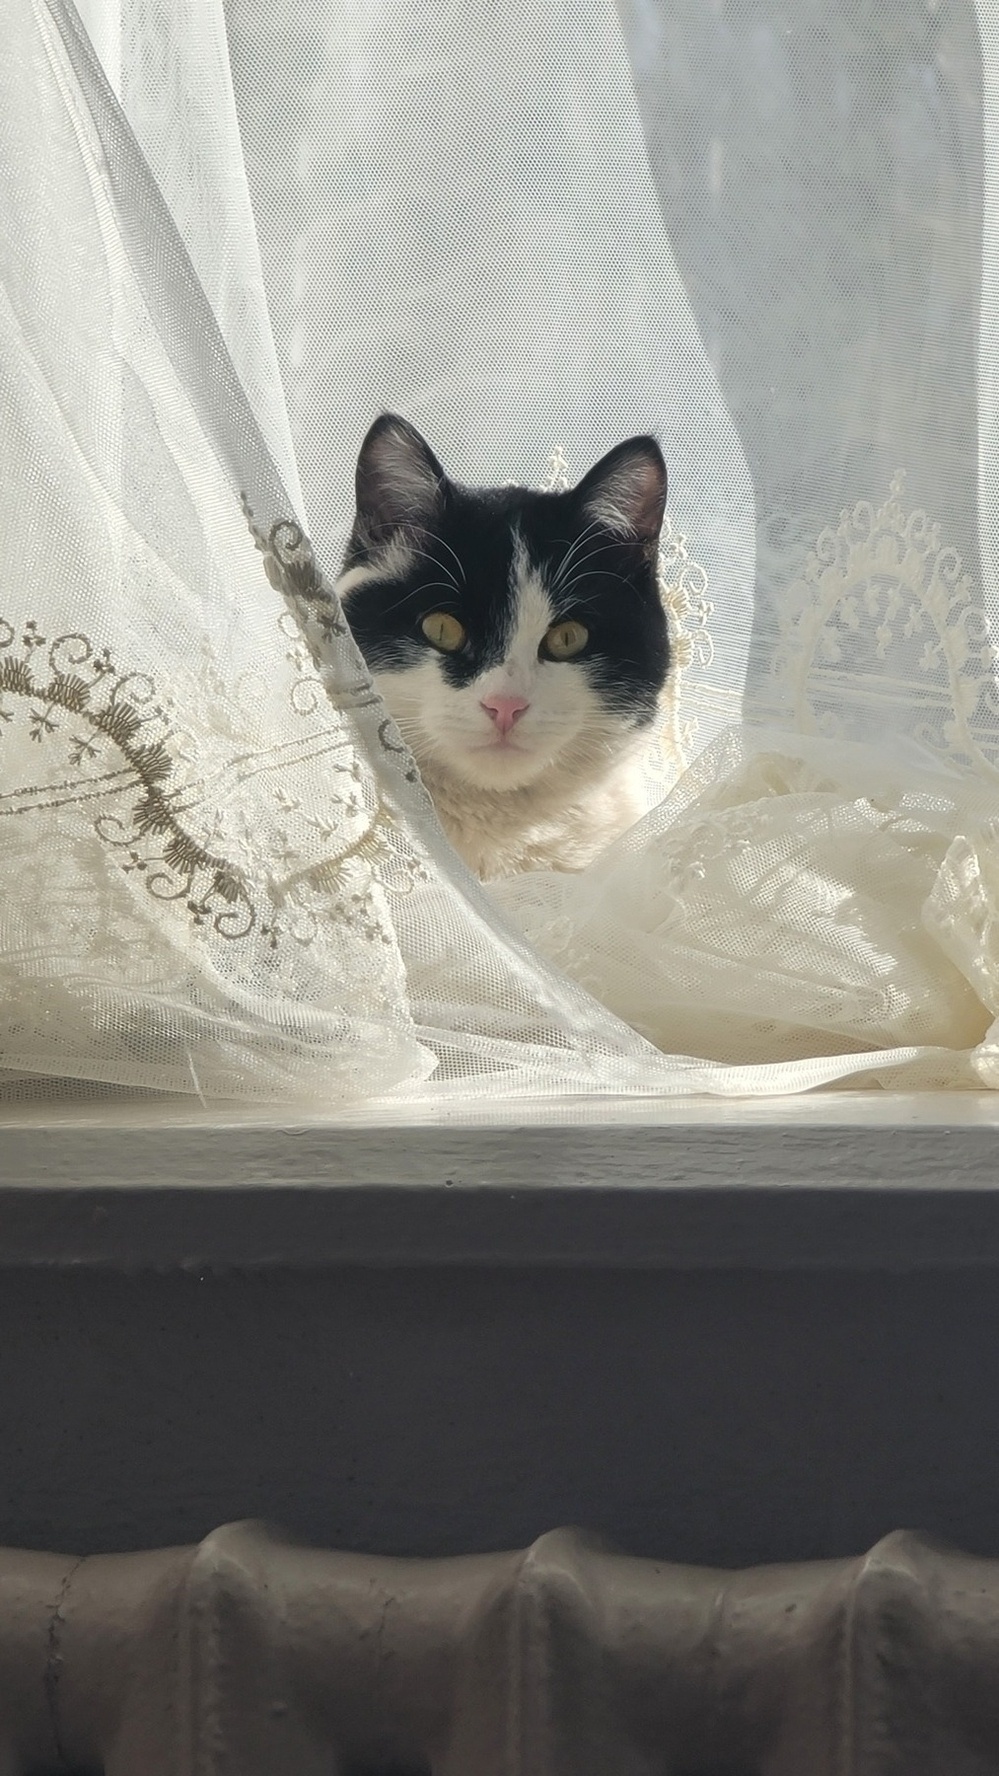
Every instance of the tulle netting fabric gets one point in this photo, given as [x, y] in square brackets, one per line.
[226, 240]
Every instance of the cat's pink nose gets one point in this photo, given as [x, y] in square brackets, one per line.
[504, 711]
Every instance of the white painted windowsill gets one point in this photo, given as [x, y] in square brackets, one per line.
[874, 1180]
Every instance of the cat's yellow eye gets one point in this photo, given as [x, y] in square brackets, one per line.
[565, 640]
[444, 631]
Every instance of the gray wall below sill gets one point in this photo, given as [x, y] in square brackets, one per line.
[720, 1339]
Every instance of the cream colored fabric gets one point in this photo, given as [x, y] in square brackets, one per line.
[219, 872]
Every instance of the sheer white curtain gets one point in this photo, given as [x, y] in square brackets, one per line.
[225, 243]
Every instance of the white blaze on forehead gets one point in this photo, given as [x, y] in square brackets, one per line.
[390, 563]
[531, 617]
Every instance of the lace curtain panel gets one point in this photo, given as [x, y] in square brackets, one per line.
[229, 237]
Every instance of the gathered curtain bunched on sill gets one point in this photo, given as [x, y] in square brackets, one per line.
[225, 245]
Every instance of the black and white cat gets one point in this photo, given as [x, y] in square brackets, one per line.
[519, 641]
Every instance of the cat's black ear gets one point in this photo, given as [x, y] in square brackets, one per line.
[626, 491]
[399, 480]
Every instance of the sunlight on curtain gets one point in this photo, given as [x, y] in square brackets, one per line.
[225, 243]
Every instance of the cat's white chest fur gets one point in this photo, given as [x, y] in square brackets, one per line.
[560, 825]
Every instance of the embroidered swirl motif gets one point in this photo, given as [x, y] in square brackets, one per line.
[292, 569]
[683, 588]
[316, 619]
[881, 613]
[109, 708]
[73, 696]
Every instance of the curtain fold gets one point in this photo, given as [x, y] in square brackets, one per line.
[226, 240]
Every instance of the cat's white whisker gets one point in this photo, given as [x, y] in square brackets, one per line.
[603, 573]
[430, 586]
[433, 537]
[441, 566]
[568, 557]
[412, 592]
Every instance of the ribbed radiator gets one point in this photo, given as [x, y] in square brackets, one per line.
[249, 1656]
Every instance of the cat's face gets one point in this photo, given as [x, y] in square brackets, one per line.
[508, 631]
